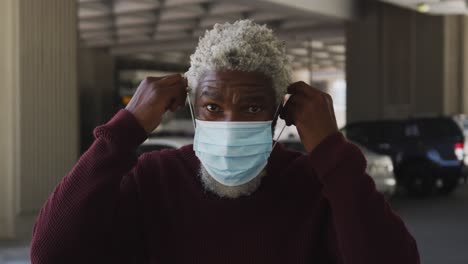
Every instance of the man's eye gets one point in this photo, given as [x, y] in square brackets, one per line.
[255, 109]
[213, 108]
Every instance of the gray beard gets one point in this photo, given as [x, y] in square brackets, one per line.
[223, 191]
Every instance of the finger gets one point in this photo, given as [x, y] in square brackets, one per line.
[282, 110]
[294, 108]
[301, 88]
[170, 79]
[284, 115]
[288, 111]
[153, 78]
[175, 95]
[330, 107]
[179, 98]
[176, 104]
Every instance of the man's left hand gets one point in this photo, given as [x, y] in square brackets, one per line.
[311, 110]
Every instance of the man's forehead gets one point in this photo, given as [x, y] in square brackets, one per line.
[245, 86]
[235, 77]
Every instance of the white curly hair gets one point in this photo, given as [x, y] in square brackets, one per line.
[245, 46]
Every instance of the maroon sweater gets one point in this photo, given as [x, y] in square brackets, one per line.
[315, 208]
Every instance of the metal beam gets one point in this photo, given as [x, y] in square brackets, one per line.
[194, 21]
[323, 33]
[335, 9]
[148, 10]
[155, 46]
[293, 36]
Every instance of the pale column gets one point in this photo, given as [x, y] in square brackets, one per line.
[8, 115]
[401, 63]
[452, 65]
[38, 106]
[464, 64]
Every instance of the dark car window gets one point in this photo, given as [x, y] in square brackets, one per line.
[394, 130]
[374, 132]
[437, 128]
[356, 133]
[363, 133]
[148, 148]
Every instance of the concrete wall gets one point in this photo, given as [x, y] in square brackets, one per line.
[464, 63]
[8, 116]
[401, 63]
[97, 91]
[427, 65]
[38, 107]
[453, 71]
[363, 55]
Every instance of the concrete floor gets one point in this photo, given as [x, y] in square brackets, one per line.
[12, 252]
[439, 224]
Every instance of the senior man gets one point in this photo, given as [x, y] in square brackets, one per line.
[234, 196]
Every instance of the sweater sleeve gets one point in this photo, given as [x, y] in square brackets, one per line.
[92, 215]
[363, 227]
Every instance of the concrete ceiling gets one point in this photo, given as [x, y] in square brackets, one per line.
[168, 30]
[434, 7]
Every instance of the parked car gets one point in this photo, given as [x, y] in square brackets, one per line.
[462, 121]
[427, 152]
[379, 167]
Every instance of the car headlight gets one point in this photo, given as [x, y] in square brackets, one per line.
[390, 182]
[380, 165]
[390, 167]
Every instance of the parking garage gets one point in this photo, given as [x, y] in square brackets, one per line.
[69, 66]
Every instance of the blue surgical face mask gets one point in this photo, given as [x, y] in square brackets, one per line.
[233, 153]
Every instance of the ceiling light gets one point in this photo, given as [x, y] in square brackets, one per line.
[423, 7]
[299, 51]
[339, 58]
[321, 55]
[326, 62]
[317, 44]
[340, 48]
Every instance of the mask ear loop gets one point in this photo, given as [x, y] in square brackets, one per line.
[191, 108]
[277, 115]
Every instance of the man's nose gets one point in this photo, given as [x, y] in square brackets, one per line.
[231, 116]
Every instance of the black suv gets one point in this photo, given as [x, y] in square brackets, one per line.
[427, 152]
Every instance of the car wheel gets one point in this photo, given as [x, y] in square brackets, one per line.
[449, 185]
[420, 179]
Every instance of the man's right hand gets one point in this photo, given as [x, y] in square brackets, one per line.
[154, 97]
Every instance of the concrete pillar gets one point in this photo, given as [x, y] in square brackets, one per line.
[401, 63]
[97, 91]
[339, 9]
[464, 63]
[8, 80]
[453, 52]
[38, 106]
[364, 94]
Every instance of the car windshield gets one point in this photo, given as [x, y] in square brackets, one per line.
[437, 128]
[381, 131]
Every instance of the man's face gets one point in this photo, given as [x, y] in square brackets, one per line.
[234, 96]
